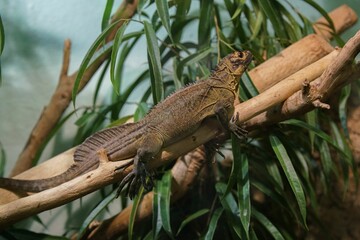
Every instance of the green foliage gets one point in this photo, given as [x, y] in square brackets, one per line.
[280, 168]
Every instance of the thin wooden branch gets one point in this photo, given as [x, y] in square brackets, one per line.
[62, 95]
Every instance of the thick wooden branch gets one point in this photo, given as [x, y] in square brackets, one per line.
[343, 17]
[283, 90]
[61, 98]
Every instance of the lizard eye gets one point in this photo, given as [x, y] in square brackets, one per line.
[241, 55]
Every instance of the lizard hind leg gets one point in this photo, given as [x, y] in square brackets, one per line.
[140, 175]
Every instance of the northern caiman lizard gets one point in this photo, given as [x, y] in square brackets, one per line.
[178, 116]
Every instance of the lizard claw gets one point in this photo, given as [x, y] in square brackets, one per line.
[139, 175]
[235, 128]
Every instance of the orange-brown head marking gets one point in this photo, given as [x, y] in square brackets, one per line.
[234, 65]
[237, 62]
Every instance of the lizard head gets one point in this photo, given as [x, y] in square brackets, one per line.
[234, 65]
[237, 62]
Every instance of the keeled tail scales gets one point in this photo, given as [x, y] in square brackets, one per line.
[173, 119]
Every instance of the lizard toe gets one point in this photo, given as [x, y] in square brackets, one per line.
[134, 187]
[128, 179]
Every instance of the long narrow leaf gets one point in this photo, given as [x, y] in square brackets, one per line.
[134, 209]
[164, 187]
[163, 11]
[274, 18]
[107, 14]
[205, 23]
[117, 42]
[344, 96]
[190, 218]
[155, 63]
[100, 207]
[192, 59]
[213, 224]
[243, 185]
[231, 209]
[88, 57]
[290, 173]
[268, 225]
[322, 135]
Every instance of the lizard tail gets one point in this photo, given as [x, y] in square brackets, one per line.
[38, 185]
[85, 158]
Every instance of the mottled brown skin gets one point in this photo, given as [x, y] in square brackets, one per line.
[178, 116]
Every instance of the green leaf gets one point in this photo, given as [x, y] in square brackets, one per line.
[213, 223]
[274, 17]
[243, 190]
[117, 42]
[326, 160]
[134, 209]
[275, 173]
[290, 173]
[311, 119]
[90, 218]
[51, 135]
[141, 111]
[257, 25]
[241, 171]
[205, 23]
[88, 57]
[322, 12]
[239, 9]
[190, 218]
[320, 134]
[107, 14]
[156, 219]
[99, 82]
[154, 63]
[275, 233]
[163, 11]
[23, 234]
[231, 209]
[164, 189]
[192, 59]
[344, 96]
[247, 86]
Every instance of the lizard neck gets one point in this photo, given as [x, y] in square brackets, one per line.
[226, 78]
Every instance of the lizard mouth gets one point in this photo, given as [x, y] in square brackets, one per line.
[247, 55]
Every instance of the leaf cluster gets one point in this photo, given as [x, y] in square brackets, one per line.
[270, 190]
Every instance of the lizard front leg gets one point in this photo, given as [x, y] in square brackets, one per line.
[150, 146]
[222, 110]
